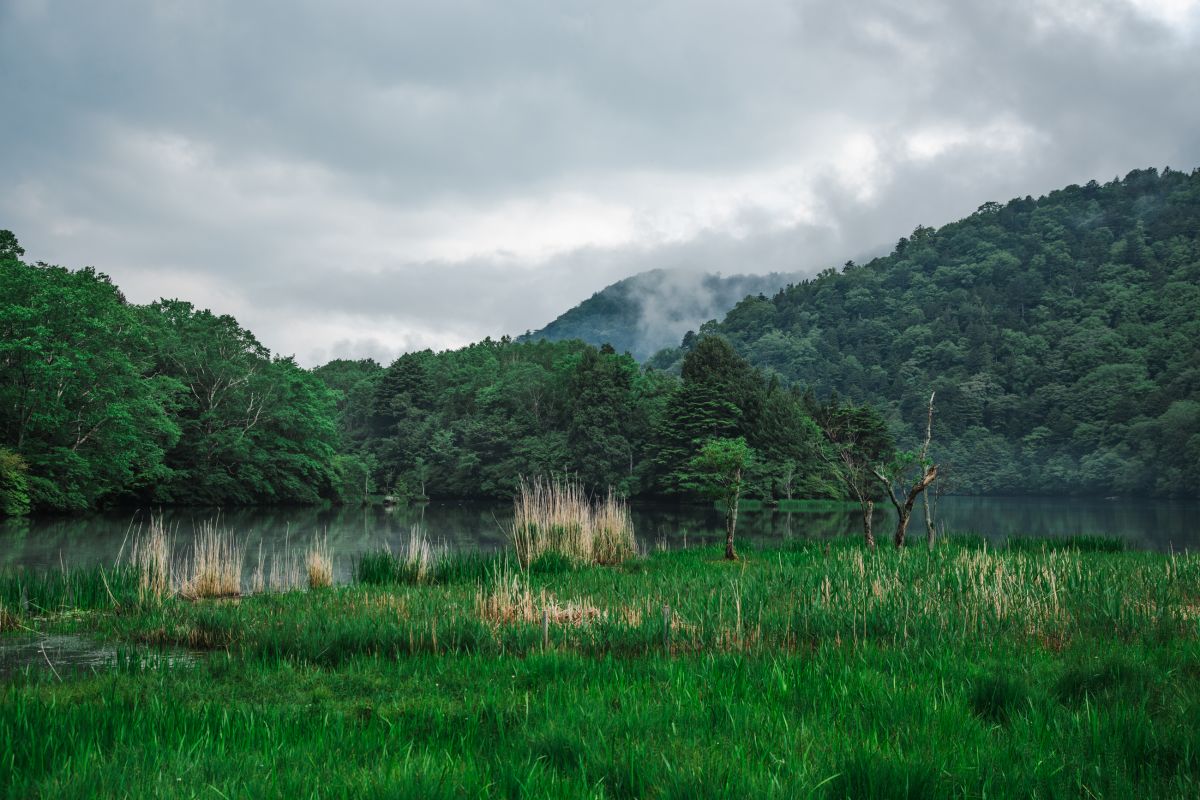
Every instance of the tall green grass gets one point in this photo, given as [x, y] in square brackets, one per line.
[46, 591]
[819, 669]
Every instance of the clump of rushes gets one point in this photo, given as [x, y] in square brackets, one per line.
[509, 599]
[555, 516]
[151, 559]
[215, 569]
[612, 539]
[419, 557]
[319, 564]
[8, 620]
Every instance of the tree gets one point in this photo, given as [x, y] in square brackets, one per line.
[14, 484]
[898, 472]
[9, 247]
[717, 472]
[77, 399]
[857, 438]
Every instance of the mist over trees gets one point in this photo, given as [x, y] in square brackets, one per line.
[651, 310]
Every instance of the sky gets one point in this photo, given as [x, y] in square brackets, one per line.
[365, 178]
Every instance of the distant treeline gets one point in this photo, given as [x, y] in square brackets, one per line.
[1062, 336]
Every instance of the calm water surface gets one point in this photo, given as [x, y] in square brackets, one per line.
[99, 538]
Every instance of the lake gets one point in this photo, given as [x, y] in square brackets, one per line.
[98, 538]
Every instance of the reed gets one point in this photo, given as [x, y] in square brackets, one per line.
[612, 524]
[554, 516]
[150, 557]
[215, 567]
[319, 564]
[287, 570]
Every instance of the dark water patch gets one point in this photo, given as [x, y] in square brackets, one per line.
[68, 654]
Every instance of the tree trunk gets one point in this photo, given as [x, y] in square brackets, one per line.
[902, 525]
[904, 512]
[868, 508]
[731, 521]
[930, 533]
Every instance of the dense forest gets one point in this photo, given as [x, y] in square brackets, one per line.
[103, 401]
[1062, 336]
[647, 312]
[470, 422]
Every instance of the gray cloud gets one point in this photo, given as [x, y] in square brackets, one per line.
[374, 177]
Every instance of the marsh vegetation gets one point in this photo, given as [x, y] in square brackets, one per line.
[810, 669]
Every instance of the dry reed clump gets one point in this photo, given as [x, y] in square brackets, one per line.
[509, 600]
[215, 569]
[420, 557]
[319, 564]
[555, 516]
[151, 559]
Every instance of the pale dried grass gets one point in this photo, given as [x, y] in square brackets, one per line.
[509, 600]
[554, 515]
[215, 567]
[150, 557]
[318, 563]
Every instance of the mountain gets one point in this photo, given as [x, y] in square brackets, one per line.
[652, 310]
[1061, 335]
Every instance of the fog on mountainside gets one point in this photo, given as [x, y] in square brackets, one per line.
[652, 310]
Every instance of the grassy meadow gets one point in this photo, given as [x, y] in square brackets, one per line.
[822, 669]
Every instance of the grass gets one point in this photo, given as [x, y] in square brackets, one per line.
[555, 515]
[815, 670]
[319, 564]
[215, 566]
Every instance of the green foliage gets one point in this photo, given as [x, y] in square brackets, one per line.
[76, 398]
[1060, 335]
[721, 396]
[106, 401]
[717, 470]
[14, 484]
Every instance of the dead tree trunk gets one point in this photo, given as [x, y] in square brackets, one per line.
[930, 534]
[904, 510]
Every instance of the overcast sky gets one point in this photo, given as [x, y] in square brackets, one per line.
[365, 178]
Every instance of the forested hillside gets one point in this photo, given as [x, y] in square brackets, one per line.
[1062, 336]
[103, 401]
[651, 310]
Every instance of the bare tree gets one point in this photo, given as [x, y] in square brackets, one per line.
[897, 473]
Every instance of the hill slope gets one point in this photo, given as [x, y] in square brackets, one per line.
[1062, 336]
[652, 310]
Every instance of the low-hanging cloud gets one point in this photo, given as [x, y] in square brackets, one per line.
[372, 178]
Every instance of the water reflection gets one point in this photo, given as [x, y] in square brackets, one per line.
[99, 538]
